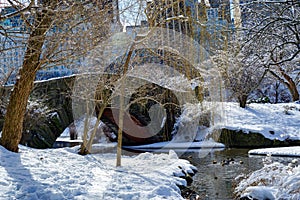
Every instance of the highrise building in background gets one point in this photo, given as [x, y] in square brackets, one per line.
[205, 20]
[219, 9]
[13, 40]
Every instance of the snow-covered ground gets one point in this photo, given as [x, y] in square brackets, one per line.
[282, 151]
[275, 121]
[273, 181]
[63, 174]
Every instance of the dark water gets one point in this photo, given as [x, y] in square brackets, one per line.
[216, 182]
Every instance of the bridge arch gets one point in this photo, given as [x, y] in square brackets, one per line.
[150, 92]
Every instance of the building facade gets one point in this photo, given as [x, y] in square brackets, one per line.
[14, 36]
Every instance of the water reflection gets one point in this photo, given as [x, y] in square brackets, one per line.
[218, 168]
[217, 171]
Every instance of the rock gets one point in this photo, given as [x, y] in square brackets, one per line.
[195, 170]
[188, 193]
[239, 139]
[40, 130]
[294, 161]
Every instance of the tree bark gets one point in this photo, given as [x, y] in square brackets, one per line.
[243, 100]
[13, 125]
[289, 82]
[291, 85]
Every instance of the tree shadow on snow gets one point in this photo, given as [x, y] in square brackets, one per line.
[123, 187]
[20, 179]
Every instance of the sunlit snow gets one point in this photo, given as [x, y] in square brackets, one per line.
[63, 174]
[282, 151]
[273, 181]
[274, 121]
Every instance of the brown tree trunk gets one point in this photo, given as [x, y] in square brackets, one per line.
[243, 100]
[289, 82]
[291, 85]
[13, 125]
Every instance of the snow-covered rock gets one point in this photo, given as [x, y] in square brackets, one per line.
[274, 121]
[282, 151]
[273, 181]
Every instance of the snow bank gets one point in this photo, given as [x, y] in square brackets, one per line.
[273, 181]
[274, 121]
[63, 174]
[282, 151]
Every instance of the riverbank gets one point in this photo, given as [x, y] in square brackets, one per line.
[63, 174]
[276, 180]
[257, 125]
[282, 152]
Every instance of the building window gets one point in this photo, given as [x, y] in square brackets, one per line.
[212, 13]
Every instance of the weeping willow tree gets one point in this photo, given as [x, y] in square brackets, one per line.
[135, 96]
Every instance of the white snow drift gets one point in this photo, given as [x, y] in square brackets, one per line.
[63, 174]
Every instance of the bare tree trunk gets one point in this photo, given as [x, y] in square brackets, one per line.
[243, 100]
[291, 85]
[13, 125]
[289, 82]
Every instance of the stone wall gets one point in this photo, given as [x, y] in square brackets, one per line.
[54, 97]
[239, 139]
